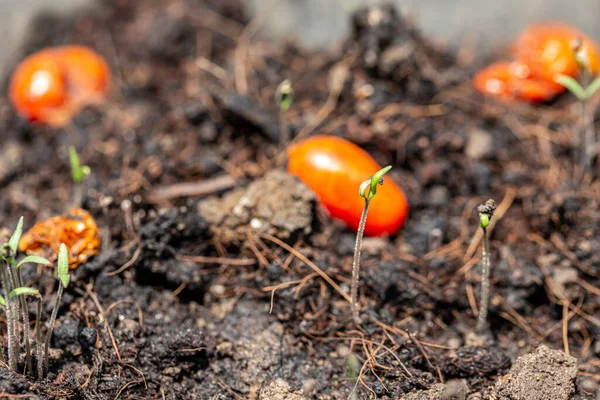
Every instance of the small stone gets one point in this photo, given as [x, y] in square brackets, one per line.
[279, 390]
[87, 338]
[479, 145]
[66, 334]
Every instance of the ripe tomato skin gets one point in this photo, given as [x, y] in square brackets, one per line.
[513, 80]
[547, 48]
[334, 168]
[50, 86]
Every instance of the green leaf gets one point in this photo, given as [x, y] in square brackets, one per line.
[571, 84]
[24, 291]
[2, 301]
[77, 170]
[363, 187]
[592, 87]
[63, 265]
[13, 243]
[34, 260]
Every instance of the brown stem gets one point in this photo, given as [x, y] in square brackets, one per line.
[356, 264]
[26, 328]
[485, 283]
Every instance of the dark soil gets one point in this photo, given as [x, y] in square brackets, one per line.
[176, 305]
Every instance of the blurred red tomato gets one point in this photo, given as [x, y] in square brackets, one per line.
[334, 168]
[50, 86]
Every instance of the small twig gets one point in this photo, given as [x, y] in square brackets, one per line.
[129, 263]
[218, 260]
[191, 189]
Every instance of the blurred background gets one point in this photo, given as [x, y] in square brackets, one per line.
[321, 23]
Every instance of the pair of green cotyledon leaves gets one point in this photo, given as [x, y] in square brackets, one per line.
[372, 182]
[62, 264]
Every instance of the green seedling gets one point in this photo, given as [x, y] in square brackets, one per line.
[78, 172]
[583, 90]
[366, 190]
[22, 292]
[63, 283]
[486, 211]
[352, 370]
[284, 98]
[15, 298]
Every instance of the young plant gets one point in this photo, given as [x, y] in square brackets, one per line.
[284, 98]
[367, 190]
[63, 282]
[79, 172]
[583, 91]
[12, 282]
[22, 292]
[352, 369]
[486, 211]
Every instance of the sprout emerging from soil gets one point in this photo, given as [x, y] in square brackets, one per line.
[63, 278]
[12, 284]
[284, 95]
[352, 370]
[284, 98]
[367, 190]
[78, 172]
[583, 90]
[486, 211]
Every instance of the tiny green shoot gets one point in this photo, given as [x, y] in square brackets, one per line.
[63, 282]
[78, 172]
[284, 95]
[367, 190]
[26, 291]
[13, 243]
[486, 211]
[352, 368]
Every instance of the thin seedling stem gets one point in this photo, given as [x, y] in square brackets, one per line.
[12, 363]
[485, 282]
[356, 263]
[26, 328]
[38, 338]
[51, 326]
[486, 211]
[15, 317]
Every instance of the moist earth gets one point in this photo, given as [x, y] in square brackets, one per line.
[215, 290]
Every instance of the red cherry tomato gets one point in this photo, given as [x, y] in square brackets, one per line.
[50, 86]
[334, 168]
[513, 80]
[547, 48]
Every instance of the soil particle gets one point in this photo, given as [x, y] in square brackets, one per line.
[475, 361]
[170, 233]
[66, 335]
[278, 204]
[480, 144]
[279, 390]
[541, 375]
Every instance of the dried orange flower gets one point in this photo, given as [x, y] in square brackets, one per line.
[78, 231]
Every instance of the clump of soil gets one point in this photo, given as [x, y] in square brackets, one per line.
[543, 374]
[278, 204]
